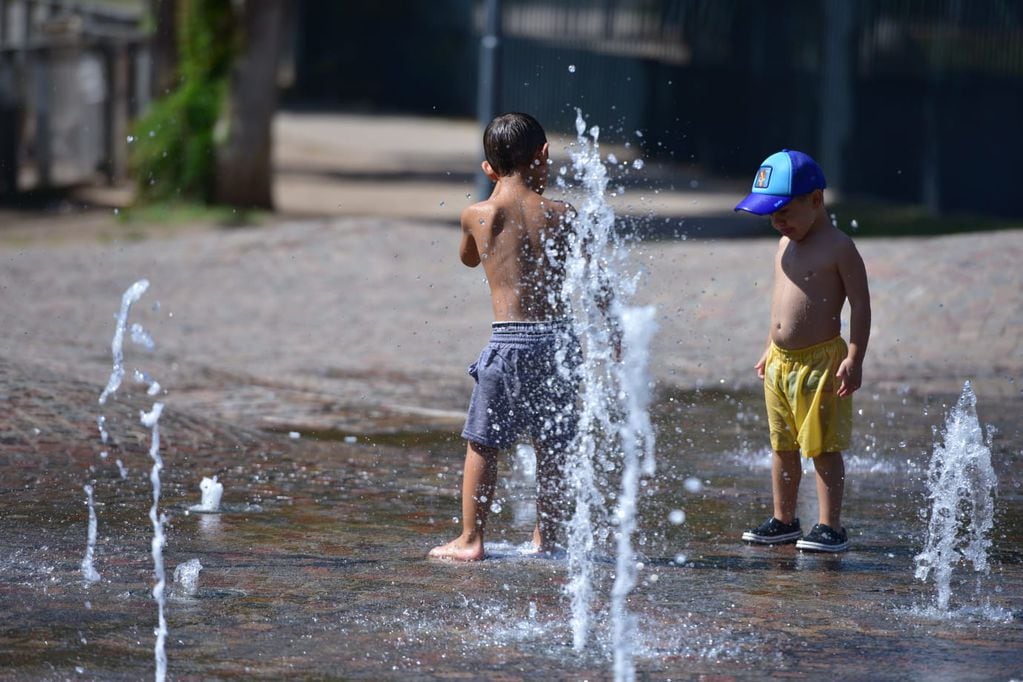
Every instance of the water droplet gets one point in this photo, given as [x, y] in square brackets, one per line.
[692, 485]
[442, 203]
[131, 138]
[571, 68]
[677, 517]
[637, 164]
[853, 224]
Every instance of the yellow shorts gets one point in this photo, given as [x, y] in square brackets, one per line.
[802, 409]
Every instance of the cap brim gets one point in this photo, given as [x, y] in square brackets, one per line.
[762, 204]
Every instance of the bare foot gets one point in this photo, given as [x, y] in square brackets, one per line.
[459, 549]
[539, 546]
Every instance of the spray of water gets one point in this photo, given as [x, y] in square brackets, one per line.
[151, 420]
[89, 572]
[211, 490]
[130, 296]
[615, 437]
[636, 436]
[961, 484]
[113, 383]
[186, 575]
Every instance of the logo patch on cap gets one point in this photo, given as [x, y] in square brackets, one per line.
[763, 178]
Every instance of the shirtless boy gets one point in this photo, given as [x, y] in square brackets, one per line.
[523, 384]
[808, 370]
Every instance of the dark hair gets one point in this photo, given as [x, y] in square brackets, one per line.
[511, 140]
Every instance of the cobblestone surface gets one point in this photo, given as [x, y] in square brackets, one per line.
[350, 325]
[299, 323]
[366, 320]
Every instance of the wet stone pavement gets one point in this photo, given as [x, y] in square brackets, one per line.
[354, 331]
[315, 569]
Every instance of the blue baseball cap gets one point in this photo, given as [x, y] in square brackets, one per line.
[781, 177]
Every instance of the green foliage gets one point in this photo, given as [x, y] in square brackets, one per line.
[173, 152]
[169, 216]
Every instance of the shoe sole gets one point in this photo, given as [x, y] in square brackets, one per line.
[809, 546]
[786, 539]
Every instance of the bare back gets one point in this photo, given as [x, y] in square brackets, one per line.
[521, 240]
[809, 290]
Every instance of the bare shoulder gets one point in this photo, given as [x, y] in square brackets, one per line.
[843, 245]
[478, 214]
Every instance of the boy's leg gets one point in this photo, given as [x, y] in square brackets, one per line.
[478, 481]
[551, 500]
[830, 487]
[786, 472]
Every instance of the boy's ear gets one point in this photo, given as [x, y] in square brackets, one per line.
[489, 171]
[543, 154]
[817, 198]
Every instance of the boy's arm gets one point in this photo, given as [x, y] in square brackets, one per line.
[468, 250]
[854, 278]
[761, 365]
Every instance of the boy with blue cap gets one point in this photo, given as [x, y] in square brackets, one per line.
[809, 371]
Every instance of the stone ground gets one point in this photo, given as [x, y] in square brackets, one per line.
[349, 310]
[348, 313]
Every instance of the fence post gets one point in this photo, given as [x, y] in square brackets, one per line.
[116, 113]
[836, 110]
[489, 81]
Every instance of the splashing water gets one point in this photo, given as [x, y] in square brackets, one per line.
[89, 572]
[961, 482]
[151, 419]
[101, 424]
[614, 434]
[113, 383]
[187, 576]
[637, 441]
[211, 491]
[130, 296]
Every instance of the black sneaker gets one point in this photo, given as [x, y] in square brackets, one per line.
[823, 538]
[773, 532]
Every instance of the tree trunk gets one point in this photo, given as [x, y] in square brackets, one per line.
[164, 45]
[244, 170]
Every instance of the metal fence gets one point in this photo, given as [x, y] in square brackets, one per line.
[911, 100]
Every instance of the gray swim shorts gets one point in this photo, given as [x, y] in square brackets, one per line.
[525, 386]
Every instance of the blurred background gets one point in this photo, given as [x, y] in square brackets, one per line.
[913, 107]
